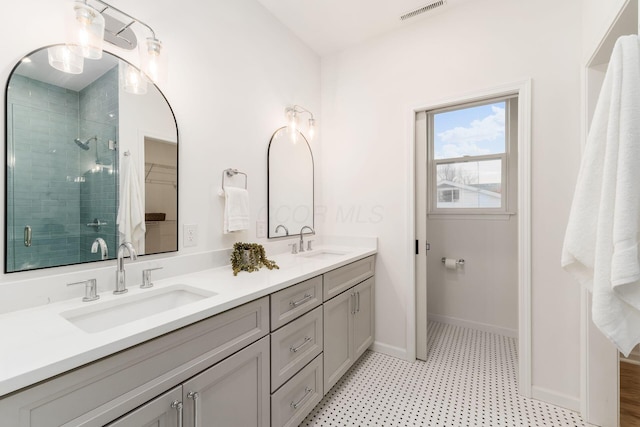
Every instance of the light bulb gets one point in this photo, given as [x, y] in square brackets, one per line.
[131, 79]
[312, 128]
[62, 58]
[154, 60]
[87, 29]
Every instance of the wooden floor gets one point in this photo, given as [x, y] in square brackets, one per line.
[629, 395]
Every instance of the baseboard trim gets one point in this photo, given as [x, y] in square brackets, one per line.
[389, 350]
[555, 398]
[484, 327]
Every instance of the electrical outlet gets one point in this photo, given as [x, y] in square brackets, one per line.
[261, 229]
[190, 237]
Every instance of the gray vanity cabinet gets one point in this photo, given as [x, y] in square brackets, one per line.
[338, 338]
[266, 363]
[129, 381]
[296, 352]
[363, 317]
[348, 318]
[235, 392]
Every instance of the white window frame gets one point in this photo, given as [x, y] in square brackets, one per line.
[433, 209]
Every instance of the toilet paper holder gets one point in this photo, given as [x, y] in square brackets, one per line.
[458, 262]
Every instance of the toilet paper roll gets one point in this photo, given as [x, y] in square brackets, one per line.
[450, 263]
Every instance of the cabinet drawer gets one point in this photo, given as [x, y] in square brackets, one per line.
[297, 398]
[161, 411]
[294, 345]
[294, 301]
[104, 390]
[343, 278]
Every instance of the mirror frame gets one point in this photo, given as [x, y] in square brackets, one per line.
[6, 168]
[313, 188]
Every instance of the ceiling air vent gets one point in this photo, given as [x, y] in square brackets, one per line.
[426, 8]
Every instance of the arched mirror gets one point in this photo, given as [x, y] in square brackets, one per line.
[290, 181]
[69, 139]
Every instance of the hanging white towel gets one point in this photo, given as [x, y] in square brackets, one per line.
[236, 209]
[131, 225]
[601, 241]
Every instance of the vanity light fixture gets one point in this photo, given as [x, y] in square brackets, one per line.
[96, 21]
[291, 114]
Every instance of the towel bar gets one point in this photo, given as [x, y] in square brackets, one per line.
[232, 172]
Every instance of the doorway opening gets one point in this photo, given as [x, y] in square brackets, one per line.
[472, 217]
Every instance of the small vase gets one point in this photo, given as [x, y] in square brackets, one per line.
[246, 258]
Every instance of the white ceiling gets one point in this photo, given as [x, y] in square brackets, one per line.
[328, 26]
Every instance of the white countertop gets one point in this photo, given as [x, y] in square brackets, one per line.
[38, 343]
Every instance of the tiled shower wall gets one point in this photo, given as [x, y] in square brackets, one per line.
[47, 171]
[99, 191]
[41, 191]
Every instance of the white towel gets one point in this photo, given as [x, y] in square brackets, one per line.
[131, 225]
[601, 241]
[236, 209]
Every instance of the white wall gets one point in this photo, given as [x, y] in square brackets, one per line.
[232, 70]
[484, 292]
[368, 92]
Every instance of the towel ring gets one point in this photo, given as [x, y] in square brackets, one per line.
[233, 172]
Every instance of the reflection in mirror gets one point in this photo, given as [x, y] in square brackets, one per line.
[65, 137]
[161, 190]
[290, 181]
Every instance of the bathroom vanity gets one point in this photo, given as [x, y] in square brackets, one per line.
[259, 349]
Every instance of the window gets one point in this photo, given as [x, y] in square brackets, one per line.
[469, 150]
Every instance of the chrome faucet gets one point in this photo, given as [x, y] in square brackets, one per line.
[104, 250]
[301, 239]
[121, 284]
[286, 230]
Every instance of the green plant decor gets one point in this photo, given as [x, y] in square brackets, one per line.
[249, 257]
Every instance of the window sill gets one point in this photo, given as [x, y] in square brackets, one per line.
[502, 216]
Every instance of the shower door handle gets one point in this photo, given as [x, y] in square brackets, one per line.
[27, 235]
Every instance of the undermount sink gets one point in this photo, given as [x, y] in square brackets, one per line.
[100, 317]
[323, 254]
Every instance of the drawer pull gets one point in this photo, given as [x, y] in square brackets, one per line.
[307, 392]
[194, 395]
[306, 341]
[306, 297]
[178, 407]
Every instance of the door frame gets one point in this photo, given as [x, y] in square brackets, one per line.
[523, 89]
[599, 358]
